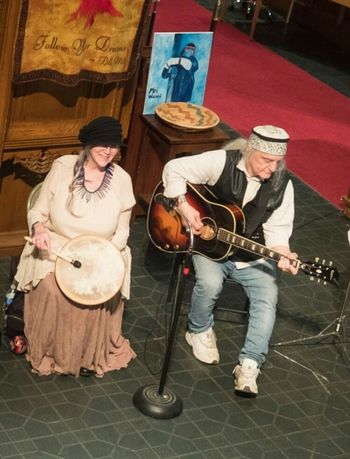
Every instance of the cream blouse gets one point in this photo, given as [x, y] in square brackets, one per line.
[105, 213]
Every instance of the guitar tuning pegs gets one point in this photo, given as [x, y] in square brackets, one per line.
[318, 280]
[331, 263]
[317, 259]
[312, 278]
[323, 261]
[324, 283]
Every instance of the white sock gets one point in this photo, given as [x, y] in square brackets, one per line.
[249, 363]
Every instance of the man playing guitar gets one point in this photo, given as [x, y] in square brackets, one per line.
[255, 179]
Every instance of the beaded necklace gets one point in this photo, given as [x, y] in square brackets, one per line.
[101, 191]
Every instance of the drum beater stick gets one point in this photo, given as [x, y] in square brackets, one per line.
[75, 263]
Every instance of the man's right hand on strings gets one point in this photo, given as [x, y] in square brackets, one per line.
[190, 216]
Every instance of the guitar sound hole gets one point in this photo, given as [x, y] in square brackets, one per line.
[208, 230]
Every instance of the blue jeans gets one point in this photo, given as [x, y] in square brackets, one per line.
[260, 284]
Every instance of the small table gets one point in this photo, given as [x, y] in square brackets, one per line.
[258, 6]
[221, 7]
[259, 3]
[158, 144]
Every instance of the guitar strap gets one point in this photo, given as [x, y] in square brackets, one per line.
[230, 189]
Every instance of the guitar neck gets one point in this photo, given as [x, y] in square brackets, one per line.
[314, 269]
[248, 245]
[221, 223]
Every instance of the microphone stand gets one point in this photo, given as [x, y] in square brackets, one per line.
[158, 401]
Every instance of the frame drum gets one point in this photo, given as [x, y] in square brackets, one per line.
[100, 275]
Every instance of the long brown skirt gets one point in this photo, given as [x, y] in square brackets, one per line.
[64, 336]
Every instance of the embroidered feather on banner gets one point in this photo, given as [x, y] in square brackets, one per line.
[68, 41]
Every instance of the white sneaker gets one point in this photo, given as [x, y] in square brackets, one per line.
[245, 377]
[204, 346]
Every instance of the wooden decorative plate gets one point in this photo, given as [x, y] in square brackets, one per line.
[183, 115]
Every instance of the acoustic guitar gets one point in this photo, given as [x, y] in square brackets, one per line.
[220, 235]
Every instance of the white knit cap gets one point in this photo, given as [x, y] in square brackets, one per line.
[269, 139]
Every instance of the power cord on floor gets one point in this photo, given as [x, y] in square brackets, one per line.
[157, 338]
[160, 337]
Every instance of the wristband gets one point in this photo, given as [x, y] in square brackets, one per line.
[180, 199]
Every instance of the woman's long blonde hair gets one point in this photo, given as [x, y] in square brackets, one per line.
[82, 157]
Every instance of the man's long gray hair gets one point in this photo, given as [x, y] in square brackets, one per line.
[245, 149]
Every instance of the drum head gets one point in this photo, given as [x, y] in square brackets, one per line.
[101, 273]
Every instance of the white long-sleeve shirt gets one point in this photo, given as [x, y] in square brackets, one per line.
[206, 168]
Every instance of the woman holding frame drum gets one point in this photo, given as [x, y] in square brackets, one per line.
[73, 311]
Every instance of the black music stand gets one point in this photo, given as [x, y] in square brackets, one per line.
[158, 401]
[338, 322]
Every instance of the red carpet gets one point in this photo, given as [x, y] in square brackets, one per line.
[250, 85]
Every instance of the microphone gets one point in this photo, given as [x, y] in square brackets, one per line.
[167, 203]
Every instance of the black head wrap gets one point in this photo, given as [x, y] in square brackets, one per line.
[104, 130]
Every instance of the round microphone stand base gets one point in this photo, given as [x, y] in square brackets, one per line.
[150, 402]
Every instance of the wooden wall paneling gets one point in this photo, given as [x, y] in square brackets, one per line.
[136, 132]
[9, 15]
[38, 106]
[137, 88]
[20, 172]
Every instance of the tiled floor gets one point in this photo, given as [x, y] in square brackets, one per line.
[303, 408]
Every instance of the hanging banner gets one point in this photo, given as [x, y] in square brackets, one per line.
[67, 41]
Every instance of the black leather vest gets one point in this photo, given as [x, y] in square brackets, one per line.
[230, 189]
